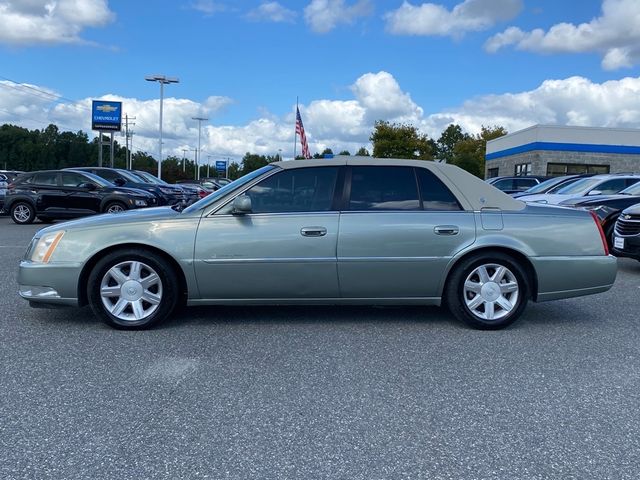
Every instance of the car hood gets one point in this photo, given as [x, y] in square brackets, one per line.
[110, 219]
[551, 198]
[632, 210]
[593, 200]
[129, 191]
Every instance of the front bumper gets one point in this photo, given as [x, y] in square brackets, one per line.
[54, 284]
[630, 249]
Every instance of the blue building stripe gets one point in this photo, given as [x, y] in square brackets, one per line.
[564, 147]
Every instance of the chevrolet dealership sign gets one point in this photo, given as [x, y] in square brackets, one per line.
[106, 115]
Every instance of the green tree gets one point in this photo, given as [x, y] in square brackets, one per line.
[448, 140]
[400, 141]
[345, 152]
[469, 153]
[363, 152]
[234, 171]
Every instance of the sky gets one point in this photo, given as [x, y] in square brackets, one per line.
[243, 63]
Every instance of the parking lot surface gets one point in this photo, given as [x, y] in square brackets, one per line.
[319, 392]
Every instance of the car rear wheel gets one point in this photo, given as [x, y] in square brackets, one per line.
[23, 213]
[132, 289]
[114, 207]
[487, 291]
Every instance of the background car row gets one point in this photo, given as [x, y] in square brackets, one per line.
[76, 192]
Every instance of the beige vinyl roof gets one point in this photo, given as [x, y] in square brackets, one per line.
[473, 193]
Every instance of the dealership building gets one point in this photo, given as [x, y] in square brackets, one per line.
[558, 150]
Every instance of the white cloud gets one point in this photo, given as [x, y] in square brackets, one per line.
[338, 124]
[208, 7]
[324, 15]
[615, 34]
[272, 12]
[435, 19]
[31, 22]
[570, 101]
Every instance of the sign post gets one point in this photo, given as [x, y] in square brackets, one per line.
[221, 166]
[106, 116]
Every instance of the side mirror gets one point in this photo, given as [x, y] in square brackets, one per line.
[119, 182]
[595, 192]
[88, 186]
[241, 205]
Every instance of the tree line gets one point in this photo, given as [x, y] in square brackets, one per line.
[49, 148]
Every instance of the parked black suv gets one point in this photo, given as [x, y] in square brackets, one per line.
[626, 239]
[56, 194]
[166, 194]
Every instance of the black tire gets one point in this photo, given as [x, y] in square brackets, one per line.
[459, 299]
[101, 277]
[23, 213]
[111, 207]
[608, 233]
[46, 219]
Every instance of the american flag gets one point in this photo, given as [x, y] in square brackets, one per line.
[303, 137]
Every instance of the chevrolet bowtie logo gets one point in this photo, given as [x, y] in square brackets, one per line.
[627, 217]
[107, 108]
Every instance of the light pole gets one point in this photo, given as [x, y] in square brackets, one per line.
[200, 120]
[162, 80]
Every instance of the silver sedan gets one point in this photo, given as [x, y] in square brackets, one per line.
[346, 230]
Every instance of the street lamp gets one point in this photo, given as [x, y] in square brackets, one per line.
[162, 80]
[200, 120]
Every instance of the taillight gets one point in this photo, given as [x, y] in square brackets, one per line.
[10, 186]
[602, 236]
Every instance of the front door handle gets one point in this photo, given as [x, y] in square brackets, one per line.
[313, 231]
[446, 230]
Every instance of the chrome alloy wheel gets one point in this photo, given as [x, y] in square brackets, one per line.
[131, 291]
[115, 208]
[491, 291]
[22, 213]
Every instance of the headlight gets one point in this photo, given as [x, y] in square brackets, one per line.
[140, 203]
[46, 246]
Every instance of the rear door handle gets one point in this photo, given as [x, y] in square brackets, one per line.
[446, 230]
[313, 231]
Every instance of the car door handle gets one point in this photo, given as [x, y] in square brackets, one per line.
[446, 230]
[313, 231]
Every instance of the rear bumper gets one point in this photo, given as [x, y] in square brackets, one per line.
[49, 284]
[566, 277]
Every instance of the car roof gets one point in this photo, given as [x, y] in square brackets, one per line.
[472, 192]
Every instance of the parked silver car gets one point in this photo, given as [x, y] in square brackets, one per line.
[347, 230]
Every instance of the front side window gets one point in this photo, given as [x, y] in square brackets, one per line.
[504, 184]
[295, 190]
[70, 179]
[611, 186]
[383, 188]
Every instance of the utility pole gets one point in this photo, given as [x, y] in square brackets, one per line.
[184, 155]
[126, 139]
[200, 120]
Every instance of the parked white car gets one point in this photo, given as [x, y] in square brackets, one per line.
[597, 185]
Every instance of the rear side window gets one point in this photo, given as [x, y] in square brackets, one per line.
[383, 188]
[435, 195]
[504, 184]
[48, 178]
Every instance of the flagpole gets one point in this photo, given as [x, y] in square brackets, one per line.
[295, 130]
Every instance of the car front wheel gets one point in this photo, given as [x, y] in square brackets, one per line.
[132, 289]
[115, 207]
[23, 213]
[487, 291]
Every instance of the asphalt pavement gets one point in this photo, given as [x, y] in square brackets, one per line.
[318, 392]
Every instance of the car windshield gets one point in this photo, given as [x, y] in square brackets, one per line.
[632, 190]
[147, 177]
[209, 199]
[579, 186]
[547, 184]
[131, 177]
[98, 180]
